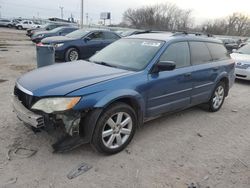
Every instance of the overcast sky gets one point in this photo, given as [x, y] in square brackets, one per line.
[202, 9]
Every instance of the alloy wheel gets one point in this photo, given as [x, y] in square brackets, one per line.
[218, 97]
[117, 130]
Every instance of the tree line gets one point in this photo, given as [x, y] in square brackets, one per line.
[169, 17]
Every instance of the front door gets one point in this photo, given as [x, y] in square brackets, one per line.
[171, 90]
[93, 44]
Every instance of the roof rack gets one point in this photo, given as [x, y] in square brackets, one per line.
[176, 33]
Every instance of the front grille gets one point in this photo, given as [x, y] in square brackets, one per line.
[27, 100]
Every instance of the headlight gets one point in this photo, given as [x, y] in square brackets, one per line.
[40, 36]
[58, 45]
[49, 105]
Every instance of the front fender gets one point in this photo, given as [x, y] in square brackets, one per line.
[120, 94]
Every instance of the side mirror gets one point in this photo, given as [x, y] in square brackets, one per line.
[163, 66]
[86, 39]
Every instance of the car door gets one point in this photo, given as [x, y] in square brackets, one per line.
[91, 44]
[204, 74]
[171, 90]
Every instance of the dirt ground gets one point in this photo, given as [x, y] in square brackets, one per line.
[192, 146]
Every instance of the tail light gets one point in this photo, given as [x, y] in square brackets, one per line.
[39, 44]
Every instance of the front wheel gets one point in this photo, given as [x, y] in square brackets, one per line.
[71, 54]
[114, 129]
[218, 97]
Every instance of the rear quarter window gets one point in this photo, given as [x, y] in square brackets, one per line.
[199, 53]
[218, 51]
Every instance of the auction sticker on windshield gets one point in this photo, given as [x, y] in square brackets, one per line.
[152, 44]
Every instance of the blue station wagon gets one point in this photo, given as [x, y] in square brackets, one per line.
[104, 100]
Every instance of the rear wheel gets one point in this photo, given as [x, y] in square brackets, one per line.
[71, 54]
[218, 97]
[9, 26]
[115, 129]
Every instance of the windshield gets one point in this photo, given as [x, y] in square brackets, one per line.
[78, 34]
[244, 50]
[130, 54]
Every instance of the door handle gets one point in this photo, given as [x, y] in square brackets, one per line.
[188, 74]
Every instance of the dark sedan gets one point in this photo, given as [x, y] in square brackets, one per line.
[60, 31]
[80, 44]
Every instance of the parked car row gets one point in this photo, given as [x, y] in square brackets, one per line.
[19, 24]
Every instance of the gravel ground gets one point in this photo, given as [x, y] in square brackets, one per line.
[192, 146]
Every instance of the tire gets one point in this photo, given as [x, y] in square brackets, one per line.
[9, 26]
[19, 27]
[71, 54]
[111, 137]
[218, 97]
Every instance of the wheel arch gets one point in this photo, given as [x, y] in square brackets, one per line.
[71, 46]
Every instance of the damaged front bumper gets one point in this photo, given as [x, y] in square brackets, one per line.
[78, 127]
[26, 116]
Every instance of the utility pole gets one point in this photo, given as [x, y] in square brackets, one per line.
[0, 12]
[87, 18]
[81, 17]
[61, 12]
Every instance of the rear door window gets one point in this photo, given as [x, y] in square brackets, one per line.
[218, 51]
[199, 53]
[110, 36]
[179, 53]
[96, 36]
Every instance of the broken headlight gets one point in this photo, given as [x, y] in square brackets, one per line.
[57, 104]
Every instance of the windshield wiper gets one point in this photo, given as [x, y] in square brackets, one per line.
[103, 63]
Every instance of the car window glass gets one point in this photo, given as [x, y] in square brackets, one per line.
[218, 51]
[96, 36]
[141, 52]
[199, 53]
[179, 53]
[25, 22]
[110, 36]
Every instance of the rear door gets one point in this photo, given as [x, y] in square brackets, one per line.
[205, 72]
[171, 90]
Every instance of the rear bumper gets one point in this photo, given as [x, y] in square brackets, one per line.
[27, 116]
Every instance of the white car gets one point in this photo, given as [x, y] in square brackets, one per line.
[242, 62]
[27, 24]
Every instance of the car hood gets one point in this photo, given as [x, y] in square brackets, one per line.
[240, 57]
[61, 79]
[57, 39]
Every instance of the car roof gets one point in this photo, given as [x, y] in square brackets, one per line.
[169, 36]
